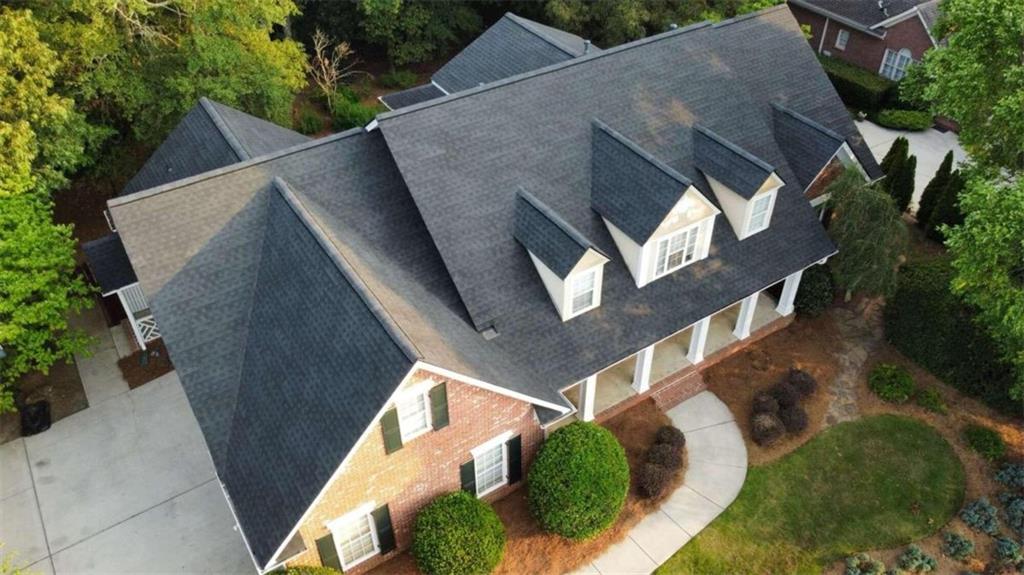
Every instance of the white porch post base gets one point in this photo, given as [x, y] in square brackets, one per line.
[588, 392]
[789, 290]
[642, 372]
[746, 317]
[698, 339]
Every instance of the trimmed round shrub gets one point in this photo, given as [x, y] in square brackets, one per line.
[579, 481]
[764, 402]
[1011, 475]
[817, 290]
[892, 383]
[957, 546]
[986, 441]
[670, 435]
[457, 534]
[912, 120]
[863, 564]
[1009, 551]
[1013, 505]
[803, 382]
[766, 428]
[665, 455]
[654, 480]
[916, 561]
[794, 418]
[785, 394]
[980, 515]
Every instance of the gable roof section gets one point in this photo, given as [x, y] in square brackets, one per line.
[629, 187]
[547, 236]
[109, 263]
[862, 14]
[415, 95]
[736, 168]
[807, 145]
[512, 46]
[210, 136]
[321, 360]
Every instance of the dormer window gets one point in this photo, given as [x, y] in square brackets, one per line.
[584, 292]
[760, 212]
[677, 250]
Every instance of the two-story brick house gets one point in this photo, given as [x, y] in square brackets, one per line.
[882, 36]
[368, 320]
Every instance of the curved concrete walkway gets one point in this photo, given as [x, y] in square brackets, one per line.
[716, 469]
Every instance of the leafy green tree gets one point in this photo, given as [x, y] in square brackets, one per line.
[988, 256]
[947, 208]
[901, 183]
[416, 31]
[870, 234]
[934, 190]
[38, 288]
[977, 78]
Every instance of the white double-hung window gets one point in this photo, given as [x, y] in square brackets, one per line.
[842, 37]
[894, 64]
[584, 291]
[677, 250]
[760, 213]
[490, 462]
[414, 412]
[355, 536]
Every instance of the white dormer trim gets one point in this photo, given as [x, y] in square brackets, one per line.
[739, 210]
[750, 227]
[641, 260]
[560, 290]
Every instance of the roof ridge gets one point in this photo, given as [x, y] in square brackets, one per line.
[555, 218]
[402, 341]
[224, 129]
[170, 186]
[808, 121]
[735, 148]
[518, 20]
[644, 154]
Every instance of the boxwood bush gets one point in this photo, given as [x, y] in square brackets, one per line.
[931, 400]
[351, 114]
[1011, 475]
[980, 515]
[457, 534]
[957, 546]
[986, 441]
[863, 564]
[928, 324]
[914, 560]
[579, 481]
[817, 290]
[913, 120]
[892, 383]
[858, 88]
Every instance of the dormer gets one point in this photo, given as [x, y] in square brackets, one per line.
[746, 186]
[658, 220]
[810, 148]
[570, 266]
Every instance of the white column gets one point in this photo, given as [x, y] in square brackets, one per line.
[746, 317]
[642, 372]
[588, 392]
[789, 288]
[698, 339]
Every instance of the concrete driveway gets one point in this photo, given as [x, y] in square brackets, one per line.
[124, 486]
[930, 147]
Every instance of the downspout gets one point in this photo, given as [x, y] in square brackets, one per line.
[824, 32]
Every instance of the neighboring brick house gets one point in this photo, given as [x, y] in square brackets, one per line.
[365, 321]
[882, 36]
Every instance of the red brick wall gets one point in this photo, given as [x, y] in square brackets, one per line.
[424, 468]
[862, 49]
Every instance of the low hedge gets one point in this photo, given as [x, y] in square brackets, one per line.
[928, 324]
[579, 481]
[457, 534]
[912, 120]
[859, 88]
[892, 383]
[986, 441]
[400, 79]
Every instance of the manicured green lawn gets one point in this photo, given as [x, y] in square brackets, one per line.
[878, 482]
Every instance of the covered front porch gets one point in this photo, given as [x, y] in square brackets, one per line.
[681, 351]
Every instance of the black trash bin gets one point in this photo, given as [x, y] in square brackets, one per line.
[35, 418]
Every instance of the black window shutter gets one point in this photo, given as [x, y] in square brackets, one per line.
[439, 406]
[328, 552]
[467, 471]
[515, 459]
[385, 534]
[392, 434]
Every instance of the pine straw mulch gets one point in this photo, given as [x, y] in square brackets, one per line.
[809, 344]
[531, 550]
[62, 387]
[136, 372]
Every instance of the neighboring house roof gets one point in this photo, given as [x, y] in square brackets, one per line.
[867, 16]
[415, 95]
[369, 250]
[629, 187]
[109, 263]
[547, 236]
[210, 136]
[807, 145]
[512, 46]
[740, 171]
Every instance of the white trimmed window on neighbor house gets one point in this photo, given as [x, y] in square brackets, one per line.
[894, 64]
[355, 536]
[842, 37]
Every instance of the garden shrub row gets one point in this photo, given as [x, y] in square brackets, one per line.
[817, 290]
[913, 120]
[858, 88]
[928, 324]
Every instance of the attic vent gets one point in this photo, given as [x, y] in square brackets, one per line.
[489, 333]
[586, 46]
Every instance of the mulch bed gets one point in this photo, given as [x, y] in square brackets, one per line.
[144, 366]
[62, 387]
[531, 550]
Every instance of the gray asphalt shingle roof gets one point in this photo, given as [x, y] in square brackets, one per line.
[109, 263]
[415, 95]
[547, 236]
[807, 145]
[629, 187]
[867, 13]
[740, 171]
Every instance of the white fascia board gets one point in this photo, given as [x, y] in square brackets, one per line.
[385, 104]
[490, 387]
[927, 30]
[439, 87]
[890, 21]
